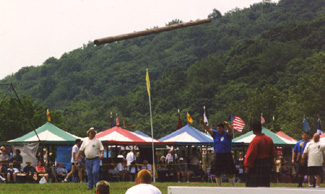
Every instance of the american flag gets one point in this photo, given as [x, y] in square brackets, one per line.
[237, 123]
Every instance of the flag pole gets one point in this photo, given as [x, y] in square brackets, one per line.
[233, 131]
[152, 144]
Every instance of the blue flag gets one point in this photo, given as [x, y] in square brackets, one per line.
[319, 127]
[305, 125]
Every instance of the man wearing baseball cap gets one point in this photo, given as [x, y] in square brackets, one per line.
[94, 151]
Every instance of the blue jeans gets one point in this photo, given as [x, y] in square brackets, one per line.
[92, 167]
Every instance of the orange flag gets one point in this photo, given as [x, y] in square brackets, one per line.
[48, 115]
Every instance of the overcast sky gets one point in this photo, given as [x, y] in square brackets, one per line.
[31, 31]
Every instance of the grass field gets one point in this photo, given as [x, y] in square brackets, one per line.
[116, 187]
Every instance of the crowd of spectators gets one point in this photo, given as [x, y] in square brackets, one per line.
[11, 170]
[181, 165]
[171, 166]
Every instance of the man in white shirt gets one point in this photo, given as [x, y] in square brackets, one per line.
[94, 151]
[75, 163]
[315, 150]
[143, 180]
[130, 157]
[171, 159]
[130, 162]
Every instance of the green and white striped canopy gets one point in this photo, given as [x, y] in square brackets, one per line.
[47, 133]
[277, 140]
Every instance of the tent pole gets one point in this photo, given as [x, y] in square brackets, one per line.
[22, 106]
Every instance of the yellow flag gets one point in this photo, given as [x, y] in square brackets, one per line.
[189, 118]
[148, 82]
[48, 115]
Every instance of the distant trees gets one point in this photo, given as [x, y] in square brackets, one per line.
[17, 120]
[174, 21]
[215, 14]
[246, 62]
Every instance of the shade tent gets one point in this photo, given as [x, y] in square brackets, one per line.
[286, 137]
[188, 135]
[118, 135]
[248, 137]
[48, 134]
[144, 136]
[141, 133]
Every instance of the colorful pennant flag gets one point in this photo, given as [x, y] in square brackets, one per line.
[179, 123]
[262, 119]
[117, 121]
[189, 118]
[319, 127]
[48, 115]
[305, 125]
[205, 119]
[111, 120]
[237, 123]
[148, 81]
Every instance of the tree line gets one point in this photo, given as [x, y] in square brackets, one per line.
[268, 59]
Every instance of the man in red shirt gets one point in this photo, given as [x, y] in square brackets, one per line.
[259, 158]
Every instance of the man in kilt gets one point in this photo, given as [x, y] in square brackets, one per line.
[259, 158]
[223, 162]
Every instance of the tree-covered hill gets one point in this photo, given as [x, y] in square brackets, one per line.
[268, 59]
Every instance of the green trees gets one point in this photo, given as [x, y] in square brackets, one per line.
[268, 59]
[215, 14]
[16, 120]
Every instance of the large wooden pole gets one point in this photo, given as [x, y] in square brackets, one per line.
[149, 31]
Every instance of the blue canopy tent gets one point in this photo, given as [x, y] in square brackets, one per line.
[188, 135]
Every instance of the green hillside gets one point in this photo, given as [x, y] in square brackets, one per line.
[266, 59]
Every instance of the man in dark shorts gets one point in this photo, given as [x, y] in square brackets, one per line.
[223, 162]
[259, 158]
[297, 153]
[75, 163]
[17, 160]
[181, 169]
[315, 150]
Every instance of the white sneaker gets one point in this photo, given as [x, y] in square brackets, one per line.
[3, 179]
[317, 187]
[80, 181]
[65, 180]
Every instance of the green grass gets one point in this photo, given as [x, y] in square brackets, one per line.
[116, 187]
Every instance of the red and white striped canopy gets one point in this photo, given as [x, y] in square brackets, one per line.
[286, 137]
[118, 135]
